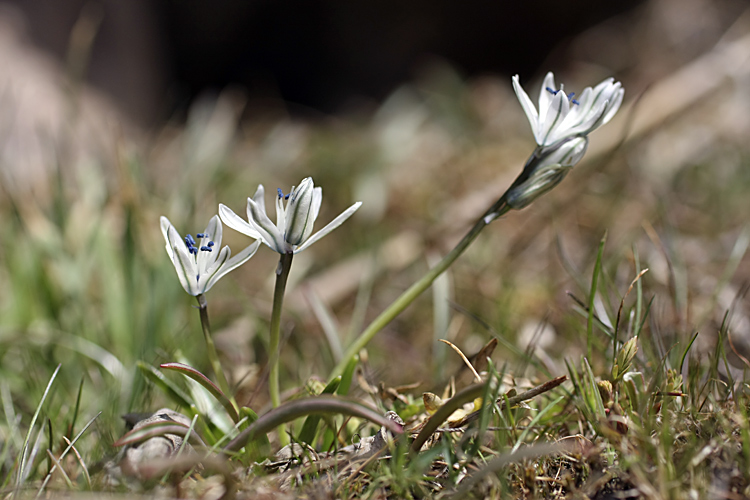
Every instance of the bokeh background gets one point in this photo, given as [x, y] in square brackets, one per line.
[114, 113]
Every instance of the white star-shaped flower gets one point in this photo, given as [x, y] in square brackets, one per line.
[199, 264]
[560, 116]
[292, 232]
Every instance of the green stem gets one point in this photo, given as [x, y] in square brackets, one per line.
[282, 273]
[420, 286]
[213, 356]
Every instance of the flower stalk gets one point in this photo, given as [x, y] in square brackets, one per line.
[213, 356]
[282, 274]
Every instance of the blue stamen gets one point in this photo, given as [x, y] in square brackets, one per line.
[189, 240]
[570, 96]
[282, 195]
[211, 243]
[201, 235]
[197, 277]
[206, 249]
[193, 250]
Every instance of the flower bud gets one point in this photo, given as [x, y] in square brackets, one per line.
[548, 167]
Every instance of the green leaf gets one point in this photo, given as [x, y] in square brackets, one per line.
[347, 376]
[204, 381]
[167, 386]
[593, 399]
[258, 447]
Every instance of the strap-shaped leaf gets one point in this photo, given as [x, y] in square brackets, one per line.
[194, 374]
[155, 429]
[308, 406]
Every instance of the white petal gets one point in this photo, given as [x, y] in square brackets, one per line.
[213, 231]
[330, 227]
[281, 213]
[205, 259]
[614, 104]
[527, 105]
[207, 280]
[314, 212]
[175, 241]
[558, 110]
[298, 213]
[568, 154]
[186, 270]
[234, 262]
[165, 228]
[236, 222]
[267, 230]
[545, 96]
[259, 198]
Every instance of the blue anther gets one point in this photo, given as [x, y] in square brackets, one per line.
[189, 239]
[211, 243]
[197, 277]
[574, 101]
[193, 250]
[570, 96]
[551, 90]
[201, 235]
[206, 249]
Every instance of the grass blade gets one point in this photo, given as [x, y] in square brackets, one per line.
[22, 472]
[592, 296]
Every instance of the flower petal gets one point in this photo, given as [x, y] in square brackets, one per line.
[213, 230]
[267, 230]
[614, 103]
[545, 96]
[187, 271]
[234, 262]
[549, 129]
[281, 213]
[527, 105]
[314, 211]
[206, 280]
[165, 229]
[330, 227]
[259, 198]
[236, 222]
[298, 220]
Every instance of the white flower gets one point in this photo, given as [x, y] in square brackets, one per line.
[292, 232]
[561, 116]
[197, 264]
